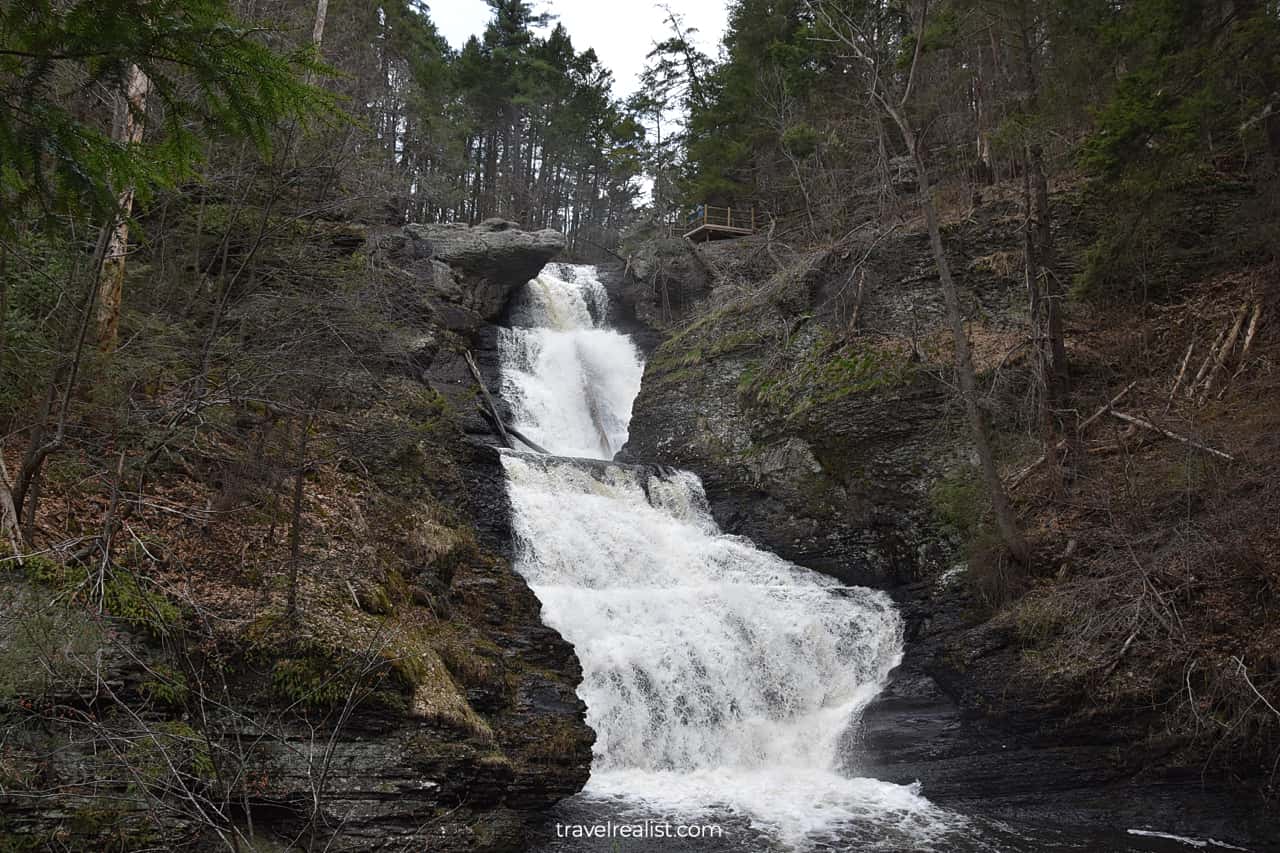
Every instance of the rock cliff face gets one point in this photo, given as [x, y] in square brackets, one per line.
[415, 699]
[811, 392]
[816, 426]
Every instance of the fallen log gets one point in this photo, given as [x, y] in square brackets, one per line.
[1025, 472]
[1145, 424]
[1208, 362]
[533, 445]
[1182, 373]
[1248, 340]
[529, 441]
[9, 522]
[484, 392]
[1225, 352]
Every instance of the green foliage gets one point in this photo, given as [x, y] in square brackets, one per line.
[208, 72]
[148, 609]
[770, 55]
[316, 677]
[822, 372]
[800, 140]
[1189, 100]
[511, 80]
[125, 595]
[308, 681]
[1144, 95]
[34, 274]
[166, 749]
[49, 647]
[959, 501]
[166, 687]
[1191, 79]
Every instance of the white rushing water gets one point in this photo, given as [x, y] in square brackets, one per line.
[569, 379]
[719, 678]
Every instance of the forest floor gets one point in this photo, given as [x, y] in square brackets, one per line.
[1158, 579]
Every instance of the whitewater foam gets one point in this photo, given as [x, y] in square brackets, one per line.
[570, 381]
[719, 678]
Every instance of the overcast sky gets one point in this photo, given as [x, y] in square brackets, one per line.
[621, 31]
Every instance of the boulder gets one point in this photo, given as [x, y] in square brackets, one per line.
[490, 261]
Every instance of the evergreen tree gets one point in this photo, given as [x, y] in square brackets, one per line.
[206, 72]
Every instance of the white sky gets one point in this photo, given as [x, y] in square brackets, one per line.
[621, 31]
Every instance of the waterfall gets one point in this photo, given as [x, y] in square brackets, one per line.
[569, 379]
[718, 678]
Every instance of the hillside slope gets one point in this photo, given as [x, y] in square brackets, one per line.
[1131, 669]
[293, 620]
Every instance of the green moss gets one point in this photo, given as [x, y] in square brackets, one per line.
[461, 552]
[314, 677]
[495, 760]
[473, 661]
[47, 647]
[124, 595]
[437, 698]
[744, 339]
[166, 748]
[678, 377]
[672, 356]
[1038, 620]
[959, 501]
[557, 743]
[42, 570]
[146, 609]
[822, 372]
[14, 843]
[167, 687]
[375, 600]
[94, 820]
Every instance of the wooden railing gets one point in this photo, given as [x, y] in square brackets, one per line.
[734, 218]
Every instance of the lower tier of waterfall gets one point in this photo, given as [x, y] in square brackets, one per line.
[715, 674]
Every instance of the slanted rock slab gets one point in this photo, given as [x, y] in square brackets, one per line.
[492, 260]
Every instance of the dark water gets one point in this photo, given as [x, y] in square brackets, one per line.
[727, 832]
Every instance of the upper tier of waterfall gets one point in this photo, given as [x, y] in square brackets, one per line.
[570, 381]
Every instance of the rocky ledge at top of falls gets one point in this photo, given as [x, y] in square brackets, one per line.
[478, 268]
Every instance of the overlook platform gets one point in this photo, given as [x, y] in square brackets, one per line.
[719, 223]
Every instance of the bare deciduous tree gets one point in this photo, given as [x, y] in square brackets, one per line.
[871, 55]
[129, 126]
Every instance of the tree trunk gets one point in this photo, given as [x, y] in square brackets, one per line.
[317, 34]
[295, 524]
[982, 119]
[894, 108]
[1035, 312]
[129, 127]
[4, 298]
[1059, 386]
[1005, 520]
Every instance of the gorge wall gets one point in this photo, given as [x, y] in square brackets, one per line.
[414, 698]
[811, 391]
